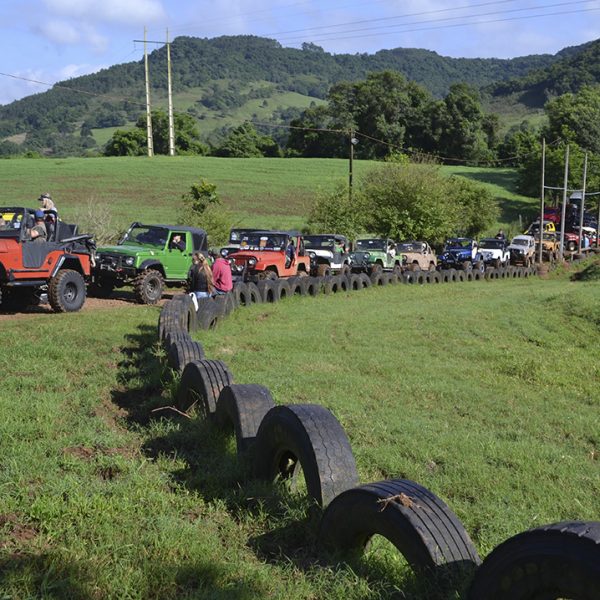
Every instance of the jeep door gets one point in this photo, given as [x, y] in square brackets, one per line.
[177, 262]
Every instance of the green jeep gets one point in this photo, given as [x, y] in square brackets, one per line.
[371, 255]
[148, 256]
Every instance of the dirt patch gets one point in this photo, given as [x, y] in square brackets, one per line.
[17, 532]
[120, 300]
[80, 452]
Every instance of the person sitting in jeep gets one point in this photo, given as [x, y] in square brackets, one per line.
[177, 243]
[38, 233]
[3, 224]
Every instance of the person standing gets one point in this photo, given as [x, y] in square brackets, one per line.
[47, 203]
[201, 277]
[222, 279]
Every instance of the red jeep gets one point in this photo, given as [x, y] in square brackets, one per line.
[269, 255]
[57, 268]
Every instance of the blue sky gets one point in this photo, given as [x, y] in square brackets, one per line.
[53, 40]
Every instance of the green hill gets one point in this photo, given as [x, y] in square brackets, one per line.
[221, 82]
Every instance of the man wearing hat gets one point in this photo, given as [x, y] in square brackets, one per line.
[39, 233]
[46, 200]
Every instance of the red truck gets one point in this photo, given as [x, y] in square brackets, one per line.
[32, 271]
[269, 255]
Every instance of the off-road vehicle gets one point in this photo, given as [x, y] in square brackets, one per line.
[550, 246]
[417, 256]
[522, 250]
[494, 252]
[461, 253]
[328, 254]
[375, 254]
[148, 257]
[33, 271]
[269, 255]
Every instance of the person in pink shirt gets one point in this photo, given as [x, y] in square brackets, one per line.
[221, 271]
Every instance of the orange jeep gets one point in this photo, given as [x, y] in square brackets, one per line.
[269, 255]
[31, 270]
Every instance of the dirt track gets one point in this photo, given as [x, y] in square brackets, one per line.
[120, 300]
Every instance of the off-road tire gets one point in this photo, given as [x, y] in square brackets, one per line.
[201, 383]
[295, 285]
[460, 276]
[66, 291]
[354, 283]
[208, 315]
[377, 278]
[281, 289]
[183, 352]
[241, 294]
[561, 560]
[331, 285]
[414, 267]
[243, 407]
[309, 436]
[311, 286]
[175, 335]
[421, 526]
[224, 303]
[365, 280]
[148, 286]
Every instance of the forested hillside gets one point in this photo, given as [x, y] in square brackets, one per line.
[223, 81]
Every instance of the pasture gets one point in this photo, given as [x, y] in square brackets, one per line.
[485, 392]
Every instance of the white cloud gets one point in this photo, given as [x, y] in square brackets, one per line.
[113, 11]
[60, 32]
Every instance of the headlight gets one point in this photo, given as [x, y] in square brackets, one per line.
[251, 262]
[352, 257]
[311, 254]
[129, 261]
[367, 254]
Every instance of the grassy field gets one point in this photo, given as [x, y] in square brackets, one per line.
[454, 386]
[263, 192]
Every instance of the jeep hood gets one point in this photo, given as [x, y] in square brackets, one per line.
[128, 250]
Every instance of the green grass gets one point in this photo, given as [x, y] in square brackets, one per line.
[485, 392]
[261, 192]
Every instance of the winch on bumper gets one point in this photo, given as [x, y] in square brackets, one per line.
[115, 266]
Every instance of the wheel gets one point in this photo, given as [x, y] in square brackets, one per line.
[421, 526]
[571, 246]
[467, 265]
[208, 315]
[554, 561]
[323, 270]
[201, 383]
[148, 286]
[431, 267]
[375, 268]
[66, 291]
[268, 274]
[243, 406]
[397, 270]
[414, 267]
[310, 437]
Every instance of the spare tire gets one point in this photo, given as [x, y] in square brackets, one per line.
[561, 560]
[201, 383]
[182, 352]
[243, 406]
[425, 531]
[307, 436]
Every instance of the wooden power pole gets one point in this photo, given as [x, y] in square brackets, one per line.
[170, 93]
[148, 110]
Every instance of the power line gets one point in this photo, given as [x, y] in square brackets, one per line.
[437, 27]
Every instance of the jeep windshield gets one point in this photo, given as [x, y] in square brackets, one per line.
[411, 247]
[316, 242]
[263, 241]
[519, 242]
[491, 244]
[370, 245]
[146, 236]
[236, 235]
[458, 244]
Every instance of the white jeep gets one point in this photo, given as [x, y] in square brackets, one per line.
[494, 252]
[328, 253]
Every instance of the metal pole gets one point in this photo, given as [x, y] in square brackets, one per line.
[148, 111]
[350, 166]
[598, 230]
[542, 200]
[581, 208]
[170, 93]
[563, 215]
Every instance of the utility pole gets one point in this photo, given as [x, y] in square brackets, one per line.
[170, 92]
[540, 252]
[582, 207]
[148, 111]
[353, 142]
[564, 206]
